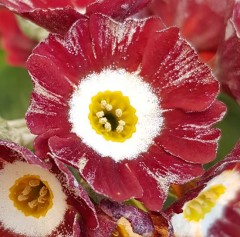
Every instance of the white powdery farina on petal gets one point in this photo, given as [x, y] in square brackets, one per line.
[141, 97]
[230, 179]
[13, 219]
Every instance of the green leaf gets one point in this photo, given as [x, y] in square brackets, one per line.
[15, 90]
[230, 128]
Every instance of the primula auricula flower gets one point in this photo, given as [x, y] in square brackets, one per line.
[201, 22]
[228, 56]
[39, 199]
[120, 220]
[129, 105]
[17, 45]
[212, 208]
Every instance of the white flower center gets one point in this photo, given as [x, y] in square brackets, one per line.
[142, 99]
[14, 218]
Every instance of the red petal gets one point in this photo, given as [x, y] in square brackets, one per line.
[77, 196]
[122, 43]
[190, 144]
[54, 20]
[46, 112]
[157, 170]
[172, 67]
[118, 9]
[104, 175]
[16, 44]
[179, 119]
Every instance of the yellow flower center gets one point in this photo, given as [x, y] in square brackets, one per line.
[197, 208]
[31, 195]
[112, 116]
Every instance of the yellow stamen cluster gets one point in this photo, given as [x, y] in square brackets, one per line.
[112, 116]
[197, 208]
[31, 195]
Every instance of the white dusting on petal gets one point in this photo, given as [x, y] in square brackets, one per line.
[82, 163]
[13, 219]
[229, 32]
[141, 97]
[183, 228]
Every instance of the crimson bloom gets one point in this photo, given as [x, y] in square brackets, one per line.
[228, 56]
[128, 104]
[38, 198]
[212, 208]
[202, 23]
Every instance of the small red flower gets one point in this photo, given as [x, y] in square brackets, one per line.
[212, 208]
[38, 198]
[129, 105]
[228, 57]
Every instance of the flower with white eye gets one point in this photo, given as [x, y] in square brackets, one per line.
[212, 208]
[39, 199]
[128, 104]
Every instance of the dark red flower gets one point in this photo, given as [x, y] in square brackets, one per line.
[201, 22]
[212, 208]
[228, 56]
[129, 105]
[38, 198]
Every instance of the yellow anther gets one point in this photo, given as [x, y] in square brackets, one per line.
[22, 198]
[43, 191]
[33, 203]
[108, 127]
[108, 107]
[34, 182]
[103, 104]
[119, 128]
[26, 190]
[102, 120]
[42, 199]
[118, 113]
[121, 122]
[100, 114]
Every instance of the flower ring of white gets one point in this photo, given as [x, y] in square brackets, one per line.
[142, 99]
[230, 180]
[15, 220]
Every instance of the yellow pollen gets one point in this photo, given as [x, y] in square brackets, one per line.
[121, 123]
[108, 127]
[197, 208]
[106, 109]
[102, 120]
[31, 195]
[103, 104]
[119, 128]
[118, 113]
[100, 114]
